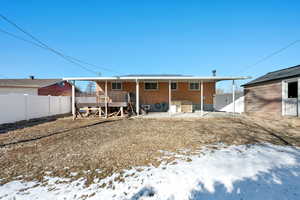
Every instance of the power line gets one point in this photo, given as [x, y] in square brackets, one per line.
[43, 47]
[20, 38]
[40, 46]
[3, 76]
[269, 56]
[47, 47]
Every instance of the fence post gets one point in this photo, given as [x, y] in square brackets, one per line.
[26, 106]
[59, 102]
[49, 105]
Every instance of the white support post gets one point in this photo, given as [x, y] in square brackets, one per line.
[100, 111]
[137, 101]
[73, 101]
[202, 102]
[233, 96]
[170, 97]
[105, 99]
[122, 111]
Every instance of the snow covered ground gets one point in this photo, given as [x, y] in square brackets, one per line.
[236, 172]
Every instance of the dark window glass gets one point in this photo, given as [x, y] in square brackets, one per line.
[194, 86]
[116, 86]
[293, 90]
[151, 86]
[174, 86]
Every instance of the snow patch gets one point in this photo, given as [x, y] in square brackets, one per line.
[236, 172]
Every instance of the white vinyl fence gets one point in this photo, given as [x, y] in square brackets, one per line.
[223, 102]
[17, 107]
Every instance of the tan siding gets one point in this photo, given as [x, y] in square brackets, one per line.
[161, 95]
[264, 98]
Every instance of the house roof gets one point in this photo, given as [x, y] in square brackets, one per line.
[277, 75]
[31, 83]
[158, 77]
[154, 75]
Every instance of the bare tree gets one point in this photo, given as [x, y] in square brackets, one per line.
[220, 91]
[91, 88]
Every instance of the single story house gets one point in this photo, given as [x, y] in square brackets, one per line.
[156, 92]
[275, 93]
[32, 86]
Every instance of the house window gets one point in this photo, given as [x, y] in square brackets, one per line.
[151, 86]
[194, 86]
[116, 86]
[293, 90]
[174, 86]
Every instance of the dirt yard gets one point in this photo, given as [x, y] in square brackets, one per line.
[63, 146]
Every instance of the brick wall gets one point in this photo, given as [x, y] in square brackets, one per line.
[56, 90]
[264, 98]
[162, 94]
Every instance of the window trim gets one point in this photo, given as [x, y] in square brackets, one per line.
[176, 85]
[194, 89]
[116, 82]
[157, 88]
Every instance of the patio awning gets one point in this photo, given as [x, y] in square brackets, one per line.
[157, 78]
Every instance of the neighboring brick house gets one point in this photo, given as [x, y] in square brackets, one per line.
[275, 93]
[31, 86]
[62, 88]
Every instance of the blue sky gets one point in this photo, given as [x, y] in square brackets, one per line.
[178, 37]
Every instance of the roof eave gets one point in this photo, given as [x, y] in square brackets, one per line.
[132, 78]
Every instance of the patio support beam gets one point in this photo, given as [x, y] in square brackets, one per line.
[170, 97]
[201, 91]
[73, 101]
[105, 99]
[233, 96]
[137, 100]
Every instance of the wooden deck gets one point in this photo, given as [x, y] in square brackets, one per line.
[112, 104]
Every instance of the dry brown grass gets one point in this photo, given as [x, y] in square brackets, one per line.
[64, 146]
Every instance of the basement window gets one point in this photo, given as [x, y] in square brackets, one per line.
[151, 86]
[293, 90]
[116, 86]
[194, 86]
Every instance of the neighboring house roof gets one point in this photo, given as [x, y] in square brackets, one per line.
[31, 83]
[277, 75]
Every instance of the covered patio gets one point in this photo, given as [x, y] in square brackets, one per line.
[134, 87]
